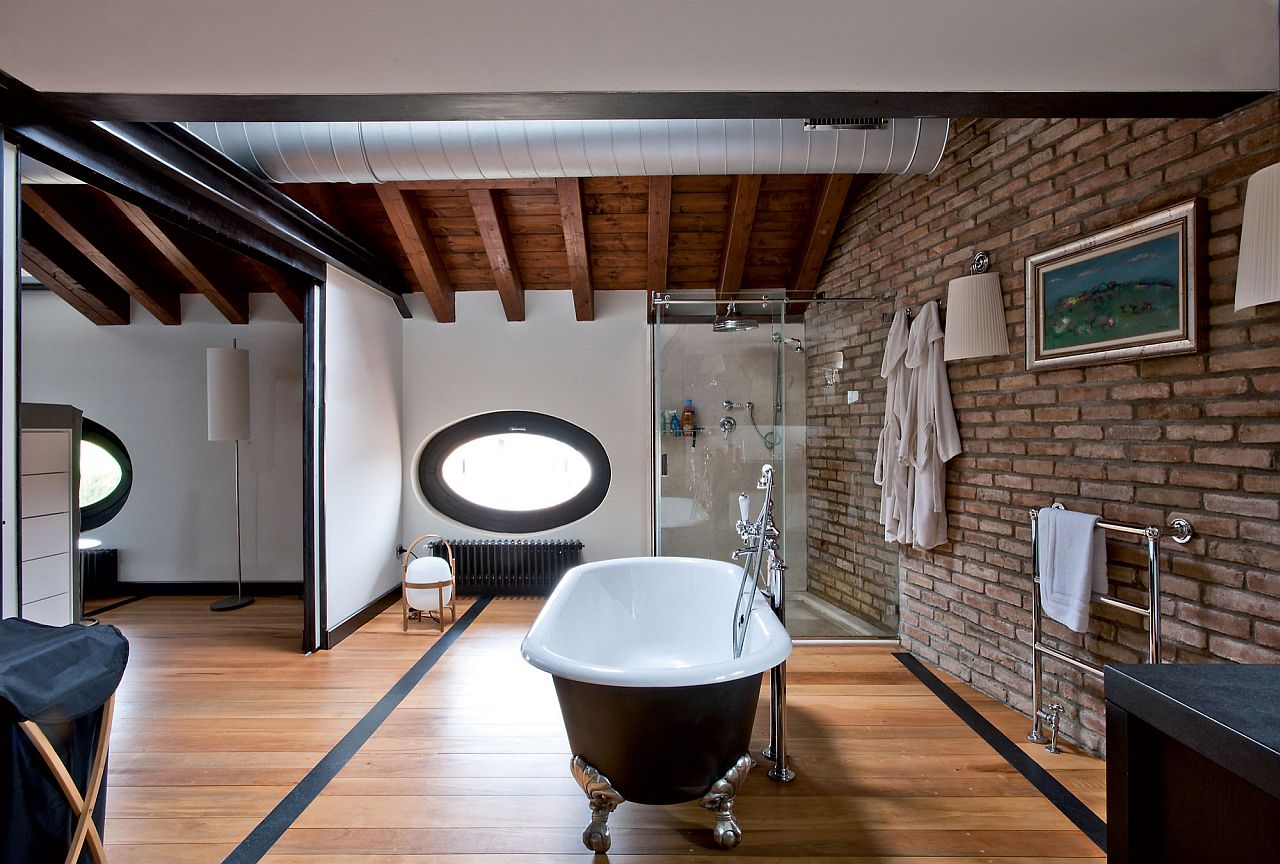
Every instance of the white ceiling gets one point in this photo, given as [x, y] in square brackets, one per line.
[461, 46]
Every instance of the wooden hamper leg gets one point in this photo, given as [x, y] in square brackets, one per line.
[86, 831]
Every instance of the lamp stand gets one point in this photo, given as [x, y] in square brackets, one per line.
[226, 604]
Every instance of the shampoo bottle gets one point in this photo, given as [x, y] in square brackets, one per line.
[688, 420]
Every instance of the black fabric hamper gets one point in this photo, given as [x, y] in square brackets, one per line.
[60, 678]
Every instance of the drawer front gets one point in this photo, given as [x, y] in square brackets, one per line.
[43, 536]
[43, 494]
[46, 452]
[54, 610]
[45, 577]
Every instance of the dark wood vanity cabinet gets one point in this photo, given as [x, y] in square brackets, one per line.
[1193, 764]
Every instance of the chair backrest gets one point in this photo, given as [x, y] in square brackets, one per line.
[409, 556]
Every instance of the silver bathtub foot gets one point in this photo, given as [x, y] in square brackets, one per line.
[719, 800]
[602, 798]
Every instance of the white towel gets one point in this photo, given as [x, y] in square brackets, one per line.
[1073, 564]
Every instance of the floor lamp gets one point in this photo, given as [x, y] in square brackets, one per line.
[228, 392]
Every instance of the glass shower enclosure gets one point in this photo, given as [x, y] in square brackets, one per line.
[743, 371]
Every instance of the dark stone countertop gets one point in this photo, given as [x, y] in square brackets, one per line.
[1230, 713]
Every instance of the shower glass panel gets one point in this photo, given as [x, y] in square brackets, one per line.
[747, 389]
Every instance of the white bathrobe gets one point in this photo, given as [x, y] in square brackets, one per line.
[891, 471]
[929, 434]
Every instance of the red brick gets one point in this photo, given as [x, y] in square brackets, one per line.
[1239, 456]
[1160, 452]
[1255, 507]
[1144, 390]
[1241, 652]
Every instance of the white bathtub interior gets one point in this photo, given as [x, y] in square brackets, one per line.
[651, 622]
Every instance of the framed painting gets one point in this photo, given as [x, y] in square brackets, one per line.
[1130, 292]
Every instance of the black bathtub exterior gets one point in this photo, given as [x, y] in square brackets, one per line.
[660, 745]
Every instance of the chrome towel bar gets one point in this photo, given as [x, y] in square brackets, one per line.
[1180, 531]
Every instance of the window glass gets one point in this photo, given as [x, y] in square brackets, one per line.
[516, 471]
[106, 475]
[100, 473]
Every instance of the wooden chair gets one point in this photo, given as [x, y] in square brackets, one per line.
[427, 583]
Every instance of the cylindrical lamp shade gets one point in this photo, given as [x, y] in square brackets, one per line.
[228, 392]
[975, 318]
[1258, 268]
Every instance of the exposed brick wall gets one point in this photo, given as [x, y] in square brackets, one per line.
[1137, 442]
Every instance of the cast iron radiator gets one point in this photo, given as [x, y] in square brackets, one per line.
[513, 568]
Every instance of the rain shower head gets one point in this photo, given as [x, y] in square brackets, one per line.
[732, 322]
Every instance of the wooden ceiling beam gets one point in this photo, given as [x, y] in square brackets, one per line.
[497, 244]
[231, 301]
[290, 293]
[828, 205]
[50, 258]
[659, 233]
[320, 200]
[575, 247]
[742, 215]
[424, 258]
[164, 305]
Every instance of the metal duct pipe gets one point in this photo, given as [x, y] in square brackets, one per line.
[484, 150]
[35, 171]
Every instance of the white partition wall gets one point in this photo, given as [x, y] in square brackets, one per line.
[9, 395]
[362, 454]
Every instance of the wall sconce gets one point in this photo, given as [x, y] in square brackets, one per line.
[975, 314]
[1258, 267]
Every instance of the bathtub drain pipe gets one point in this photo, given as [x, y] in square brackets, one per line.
[777, 750]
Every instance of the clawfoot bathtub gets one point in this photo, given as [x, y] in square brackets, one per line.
[656, 707]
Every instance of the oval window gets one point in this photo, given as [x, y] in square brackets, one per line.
[106, 475]
[513, 471]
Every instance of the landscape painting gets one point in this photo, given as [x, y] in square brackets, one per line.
[1126, 292]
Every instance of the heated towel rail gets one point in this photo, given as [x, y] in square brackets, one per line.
[1180, 531]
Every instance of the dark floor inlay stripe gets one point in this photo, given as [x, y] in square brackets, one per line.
[1059, 796]
[275, 823]
[116, 605]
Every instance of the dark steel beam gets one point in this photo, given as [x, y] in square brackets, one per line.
[175, 176]
[652, 105]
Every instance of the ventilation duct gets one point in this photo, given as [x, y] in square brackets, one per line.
[34, 171]
[487, 150]
[822, 124]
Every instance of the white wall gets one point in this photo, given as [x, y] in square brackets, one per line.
[8, 379]
[594, 374]
[459, 46]
[146, 383]
[362, 462]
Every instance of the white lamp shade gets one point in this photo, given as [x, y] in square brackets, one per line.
[975, 318]
[228, 392]
[429, 570]
[1258, 270]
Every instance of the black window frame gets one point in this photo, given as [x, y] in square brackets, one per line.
[101, 512]
[442, 498]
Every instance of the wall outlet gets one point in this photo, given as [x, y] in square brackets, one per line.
[853, 396]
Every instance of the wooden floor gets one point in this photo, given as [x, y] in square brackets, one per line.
[219, 717]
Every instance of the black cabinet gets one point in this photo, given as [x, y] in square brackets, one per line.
[1193, 764]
